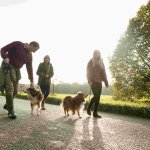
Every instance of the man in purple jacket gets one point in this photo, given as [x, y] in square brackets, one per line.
[15, 55]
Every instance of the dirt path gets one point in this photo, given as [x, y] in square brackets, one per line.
[52, 130]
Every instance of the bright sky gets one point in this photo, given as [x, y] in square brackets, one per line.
[67, 30]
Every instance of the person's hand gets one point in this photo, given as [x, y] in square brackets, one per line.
[6, 60]
[46, 76]
[32, 85]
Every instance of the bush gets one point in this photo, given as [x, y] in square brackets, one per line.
[106, 105]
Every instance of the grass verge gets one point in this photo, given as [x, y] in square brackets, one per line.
[139, 108]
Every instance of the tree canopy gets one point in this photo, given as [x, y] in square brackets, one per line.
[130, 62]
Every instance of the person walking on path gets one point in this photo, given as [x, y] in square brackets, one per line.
[96, 74]
[45, 72]
[15, 55]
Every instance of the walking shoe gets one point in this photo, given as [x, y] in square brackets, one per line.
[95, 114]
[12, 116]
[88, 111]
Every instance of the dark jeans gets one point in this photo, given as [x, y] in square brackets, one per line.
[45, 90]
[96, 97]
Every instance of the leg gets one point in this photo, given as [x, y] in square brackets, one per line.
[32, 108]
[78, 112]
[15, 84]
[97, 94]
[73, 111]
[47, 91]
[65, 111]
[93, 99]
[2, 90]
[38, 109]
[9, 96]
[43, 92]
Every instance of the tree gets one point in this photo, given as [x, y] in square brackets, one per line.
[130, 62]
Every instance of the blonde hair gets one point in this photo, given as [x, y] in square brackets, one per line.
[99, 60]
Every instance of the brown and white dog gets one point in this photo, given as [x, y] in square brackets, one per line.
[36, 97]
[74, 104]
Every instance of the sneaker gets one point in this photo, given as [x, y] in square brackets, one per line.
[88, 111]
[96, 115]
[12, 116]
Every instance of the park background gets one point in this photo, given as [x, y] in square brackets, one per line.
[68, 31]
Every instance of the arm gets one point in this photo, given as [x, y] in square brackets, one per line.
[38, 72]
[105, 76]
[51, 71]
[89, 73]
[29, 67]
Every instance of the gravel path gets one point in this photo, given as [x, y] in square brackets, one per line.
[54, 131]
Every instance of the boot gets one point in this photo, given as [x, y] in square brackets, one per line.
[95, 114]
[88, 111]
[12, 116]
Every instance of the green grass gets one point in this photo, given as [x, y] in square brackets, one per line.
[109, 100]
[140, 108]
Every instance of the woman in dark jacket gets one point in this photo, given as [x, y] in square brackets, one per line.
[45, 72]
[96, 74]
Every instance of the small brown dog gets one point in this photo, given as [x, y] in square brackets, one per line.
[74, 104]
[36, 97]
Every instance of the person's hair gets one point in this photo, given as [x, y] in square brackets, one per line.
[98, 61]
[47, 56]
[34, 43]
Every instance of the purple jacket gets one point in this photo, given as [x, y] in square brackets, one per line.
[18, 56]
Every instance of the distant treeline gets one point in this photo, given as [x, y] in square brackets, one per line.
[71, 88]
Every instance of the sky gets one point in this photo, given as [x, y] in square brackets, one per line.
[68, 31]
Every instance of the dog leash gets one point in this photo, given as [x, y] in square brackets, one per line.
[90, 94]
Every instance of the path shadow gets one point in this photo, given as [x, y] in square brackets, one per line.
[11, 2]
[92, 140]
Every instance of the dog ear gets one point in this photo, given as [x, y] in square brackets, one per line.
[82, 94]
